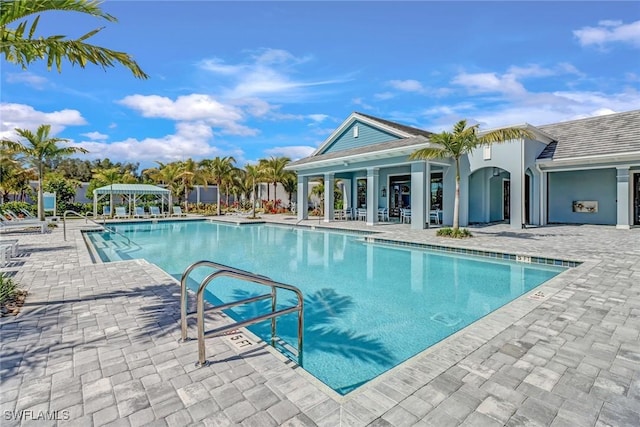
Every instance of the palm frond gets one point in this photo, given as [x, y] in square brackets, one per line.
[13, 10]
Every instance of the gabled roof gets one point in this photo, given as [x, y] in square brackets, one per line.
[594, 136]
[401, 131]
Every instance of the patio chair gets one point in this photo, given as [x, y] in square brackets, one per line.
[121, 212]
[154, 212]
[383, 214]
[405, 215]
[434, 216]
[362, 214]
[139, 212]
[177, 211]
[9, 225]
[106, 211]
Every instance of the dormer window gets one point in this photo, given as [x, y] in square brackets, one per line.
[355, 131]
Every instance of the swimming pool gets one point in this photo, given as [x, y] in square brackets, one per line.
[368, 306]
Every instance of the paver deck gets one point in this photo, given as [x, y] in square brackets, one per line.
[97, 344]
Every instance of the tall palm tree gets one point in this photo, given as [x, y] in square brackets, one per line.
[104, 177]
[255, 173]
[274, 172]
[290, 184]
[463, 140]
[168, 175]
[219, 170]
[20, 45]
[38, 149]
[191, 173]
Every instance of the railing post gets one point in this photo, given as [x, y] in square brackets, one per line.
[273, 320]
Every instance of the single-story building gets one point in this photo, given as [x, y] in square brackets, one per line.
[583, 171]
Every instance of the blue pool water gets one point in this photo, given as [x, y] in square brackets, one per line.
[368, 307]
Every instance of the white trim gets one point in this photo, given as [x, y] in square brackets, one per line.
[584, 167]
[631, 156]
[357, 117]
[391, 152]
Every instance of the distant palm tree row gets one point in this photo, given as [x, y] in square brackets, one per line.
[21, 161]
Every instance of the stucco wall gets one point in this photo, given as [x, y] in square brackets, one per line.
[567, 187]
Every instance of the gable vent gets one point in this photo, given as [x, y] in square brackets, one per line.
[355, 131]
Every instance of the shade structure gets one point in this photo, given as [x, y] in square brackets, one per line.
[130, 191]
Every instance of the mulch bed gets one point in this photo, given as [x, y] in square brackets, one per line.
[11, 306]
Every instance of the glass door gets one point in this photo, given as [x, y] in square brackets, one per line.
[636, 198]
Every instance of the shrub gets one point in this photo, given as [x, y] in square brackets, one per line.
[7, 288]
[459, 233]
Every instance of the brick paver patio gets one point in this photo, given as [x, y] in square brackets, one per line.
[97, 344]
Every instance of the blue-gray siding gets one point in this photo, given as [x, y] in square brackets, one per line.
[367, 135]
[567, 187]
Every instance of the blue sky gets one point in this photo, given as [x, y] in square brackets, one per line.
[256, 79]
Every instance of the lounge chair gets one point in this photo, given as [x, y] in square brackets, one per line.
[9, 225]
[106, 211]
[139, 212]
[28, 214]
[154, 212]
[121, 212]
[177, 211]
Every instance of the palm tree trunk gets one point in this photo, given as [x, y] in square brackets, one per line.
[186, 201]
[456, 203]
[275, 189]
[218, 196]
[253, 200]
[40, 194]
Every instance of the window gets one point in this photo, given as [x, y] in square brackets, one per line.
[486, 152]
[362, 193]
[355, 131]
[436, 191]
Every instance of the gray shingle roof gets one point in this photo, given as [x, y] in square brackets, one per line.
[610, 134]
[403, 128]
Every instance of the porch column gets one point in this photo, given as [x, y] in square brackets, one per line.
[372, 196]
[544, 210]
[428, 192]
[346, 195]
[418, 199]
[95, 204]
[623, 198]
[329, 180]
[303, 196]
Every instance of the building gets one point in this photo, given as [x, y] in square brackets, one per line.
[584, 171]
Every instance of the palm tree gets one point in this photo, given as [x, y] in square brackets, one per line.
[168, 175]
[255, 173]
[274, 172]
[20, 46]
[191, 173]
[463, 140]
[40, 148]
[290, 184]
[219, 170]
[104, 177]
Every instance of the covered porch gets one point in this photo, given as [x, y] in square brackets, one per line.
[131, 194]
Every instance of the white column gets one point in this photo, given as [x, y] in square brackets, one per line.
[418, 200]
[328, 196]
[623, 198]
[303, 196]
[428, 192]
[372, 196]
[347, 192]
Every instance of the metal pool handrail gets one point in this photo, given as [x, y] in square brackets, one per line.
[184, 313]
[248, 277]
[104, 227]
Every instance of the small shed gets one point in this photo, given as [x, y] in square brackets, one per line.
[131, 192]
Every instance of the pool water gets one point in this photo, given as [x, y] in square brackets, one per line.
[368, 307]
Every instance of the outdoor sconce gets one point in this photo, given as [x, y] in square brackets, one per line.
[384, 192]
[496, 171]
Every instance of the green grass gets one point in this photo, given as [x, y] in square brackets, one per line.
[456, 233]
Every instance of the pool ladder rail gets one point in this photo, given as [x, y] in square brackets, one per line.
[227, 271]
[86, 218]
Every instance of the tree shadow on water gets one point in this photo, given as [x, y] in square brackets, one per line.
[322, 310]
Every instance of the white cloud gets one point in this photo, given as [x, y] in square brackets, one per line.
[318, 118]
[95, 136]
[490, 82]
[293, 152]
[191, 139]
[26, 117]
[194, 107]
[28, 78]
[608, 32]
[407, 85]
[383, 96]
[268, 74]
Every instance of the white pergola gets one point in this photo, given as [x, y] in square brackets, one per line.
[131, 192]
